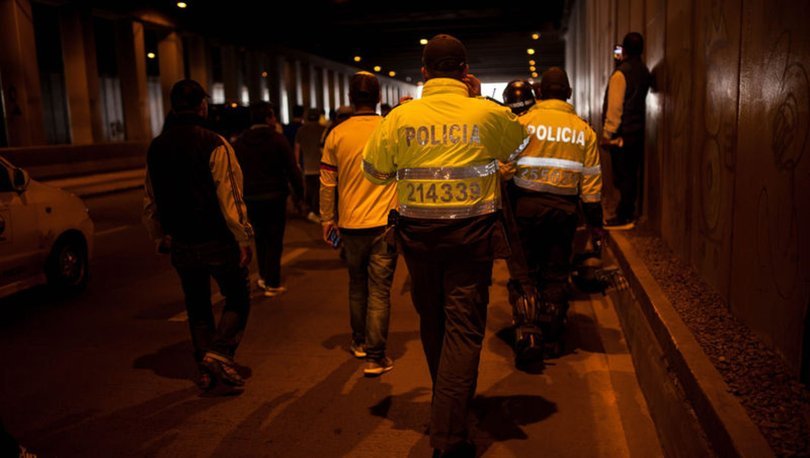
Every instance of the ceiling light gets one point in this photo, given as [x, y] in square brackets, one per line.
[264, 74]
[182, 5]
[532, 68]
[377, 68]
[423, 41]
[150, 55]
[530, 51]
[535, 36]
[357, 58]
[535, 75]
[392, 73]
[532, 62]
[234, 105]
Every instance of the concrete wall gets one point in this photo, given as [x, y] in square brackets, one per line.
[727, 173]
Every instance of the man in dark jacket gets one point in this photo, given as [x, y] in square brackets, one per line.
[194, 209]
[269, 167]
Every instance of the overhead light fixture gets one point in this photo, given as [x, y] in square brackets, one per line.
[182, 5]
[392, 73]
[535, 36]
[535, 75]
[357, 58]
[532, 62]
[150, 55]
[530, 51]
[423, 41]
[532, 68]
[234, 105]
[264, 74]
[377, 68]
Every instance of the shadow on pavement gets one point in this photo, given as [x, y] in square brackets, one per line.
[176, 361]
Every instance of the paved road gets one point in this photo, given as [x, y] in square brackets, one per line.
[110, 373]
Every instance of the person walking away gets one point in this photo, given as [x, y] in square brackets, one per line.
[558, 170]
[443, 151]
[624, 113]
[308, 153]
[193, 207]
[360, 221]
[269, 171]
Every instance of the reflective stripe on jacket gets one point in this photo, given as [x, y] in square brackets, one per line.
[443, 149]
[562, 156]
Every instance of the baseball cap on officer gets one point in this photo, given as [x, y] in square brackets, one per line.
[555, 85]
[519, 96]
[444, 53]
[364, 89]
[187, 95]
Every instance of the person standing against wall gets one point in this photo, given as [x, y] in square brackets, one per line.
[360, 221]
[624, 113]
[443, 150]
[270, 169]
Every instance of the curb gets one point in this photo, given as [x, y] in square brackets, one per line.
[99, 184]
[685, 392]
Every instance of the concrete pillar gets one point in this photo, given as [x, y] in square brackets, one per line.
[230, 74]
[299, 90]
[327, 100]
[306, 86]
[313, 88]
[336, 77]
[77, 76]
[18, 65]
[253, 78]
[346, 86]
[93, 83]
[172, 68]
[198, 61]
[132, 71]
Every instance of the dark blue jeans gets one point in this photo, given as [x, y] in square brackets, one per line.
[195, 265]
[371, 262]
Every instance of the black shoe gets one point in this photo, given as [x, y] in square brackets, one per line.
[223, 371]
[620, 224]
[465, 450]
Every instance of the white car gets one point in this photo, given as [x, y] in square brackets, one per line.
[46, 235]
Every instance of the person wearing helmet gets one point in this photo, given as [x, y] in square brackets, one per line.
[519, 96]
[443, 151]
[558, 169]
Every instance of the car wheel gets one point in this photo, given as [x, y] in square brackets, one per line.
[67, 267]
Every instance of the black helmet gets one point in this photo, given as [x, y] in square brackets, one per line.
[519, 96]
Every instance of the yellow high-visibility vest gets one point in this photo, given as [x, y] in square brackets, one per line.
[562, 156]
[443, 150]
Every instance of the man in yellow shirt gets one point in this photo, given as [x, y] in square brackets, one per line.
[361, 219]
[443, 151]
[558, 169]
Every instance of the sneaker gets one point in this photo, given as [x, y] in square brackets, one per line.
[619, 224]
[205, 381]
[271, 291]
[261, 284]
[314, 218]
[222, 370]
[378, 366]
[357, 350]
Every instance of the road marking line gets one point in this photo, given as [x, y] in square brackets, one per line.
[112, 231]
[218, 297]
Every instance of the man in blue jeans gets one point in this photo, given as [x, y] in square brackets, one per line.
[194, 209]
[361, 220]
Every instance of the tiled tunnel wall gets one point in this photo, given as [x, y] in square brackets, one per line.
[727, 172]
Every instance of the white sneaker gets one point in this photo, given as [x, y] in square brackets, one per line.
[271, 291]
[314, 218]
[378, 366]
[261, 284]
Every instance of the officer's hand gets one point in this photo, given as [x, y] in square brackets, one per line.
[508, 170]
[473, 85]
[245, 255]
[327, 228]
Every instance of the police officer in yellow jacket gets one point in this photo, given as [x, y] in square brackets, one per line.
[558, 168]
[443, 150]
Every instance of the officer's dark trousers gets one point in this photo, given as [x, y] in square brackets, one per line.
[269, 217]
[196, 264]
[547, 236]
[626, 165]
[450, 293]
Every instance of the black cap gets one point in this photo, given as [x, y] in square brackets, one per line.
[444, 53]
[187, 95]
[554, 84]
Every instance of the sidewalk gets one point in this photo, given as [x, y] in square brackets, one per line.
[102, 183]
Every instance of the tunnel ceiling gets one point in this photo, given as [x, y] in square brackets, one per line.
[383, 33]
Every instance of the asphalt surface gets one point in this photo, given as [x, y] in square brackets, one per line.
[110, 373]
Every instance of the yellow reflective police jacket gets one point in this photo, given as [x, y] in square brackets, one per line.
[562, 156]
[443, 150]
